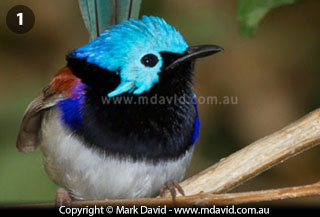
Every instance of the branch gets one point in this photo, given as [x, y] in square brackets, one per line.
[208, 199]
[204, 200]
[257, 157]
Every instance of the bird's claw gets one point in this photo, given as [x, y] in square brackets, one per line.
[171, 186]
[62, 198]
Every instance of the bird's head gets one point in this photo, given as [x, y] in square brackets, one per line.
[138, 52]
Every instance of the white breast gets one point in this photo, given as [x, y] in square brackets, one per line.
[89, 174]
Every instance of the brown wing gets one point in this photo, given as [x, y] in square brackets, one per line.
[29, 133]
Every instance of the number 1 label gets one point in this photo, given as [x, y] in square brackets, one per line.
[20, 15]
[20, 19]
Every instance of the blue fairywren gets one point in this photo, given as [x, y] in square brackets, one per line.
[97, 150]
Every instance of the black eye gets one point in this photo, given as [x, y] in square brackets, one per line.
[149, 60]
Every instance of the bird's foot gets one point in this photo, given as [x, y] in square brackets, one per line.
[171, 186]
[62, 198]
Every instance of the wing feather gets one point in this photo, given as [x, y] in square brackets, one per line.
[29, 133]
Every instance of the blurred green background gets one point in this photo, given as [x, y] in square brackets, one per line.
[275, 76]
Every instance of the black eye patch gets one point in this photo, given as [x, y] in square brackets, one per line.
[149, 60]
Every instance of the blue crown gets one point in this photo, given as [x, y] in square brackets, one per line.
[121, 47]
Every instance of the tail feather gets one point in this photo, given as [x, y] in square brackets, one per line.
[99, 15]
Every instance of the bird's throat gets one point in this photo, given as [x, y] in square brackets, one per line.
[156, 125]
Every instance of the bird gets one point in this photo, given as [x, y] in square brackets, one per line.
[97, 139]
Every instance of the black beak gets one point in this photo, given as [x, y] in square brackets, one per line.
[195, 52]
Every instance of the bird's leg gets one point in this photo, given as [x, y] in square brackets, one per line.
[171, 185]
[62, 198]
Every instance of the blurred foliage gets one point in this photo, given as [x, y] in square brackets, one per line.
[250, 12]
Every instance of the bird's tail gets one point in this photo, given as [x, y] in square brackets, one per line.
[98, 15]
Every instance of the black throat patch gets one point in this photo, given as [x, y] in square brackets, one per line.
[154, 126]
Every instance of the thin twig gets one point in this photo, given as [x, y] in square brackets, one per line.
[202, 200]
[257, 157]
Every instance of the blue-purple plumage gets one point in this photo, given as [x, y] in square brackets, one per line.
[99, 150]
